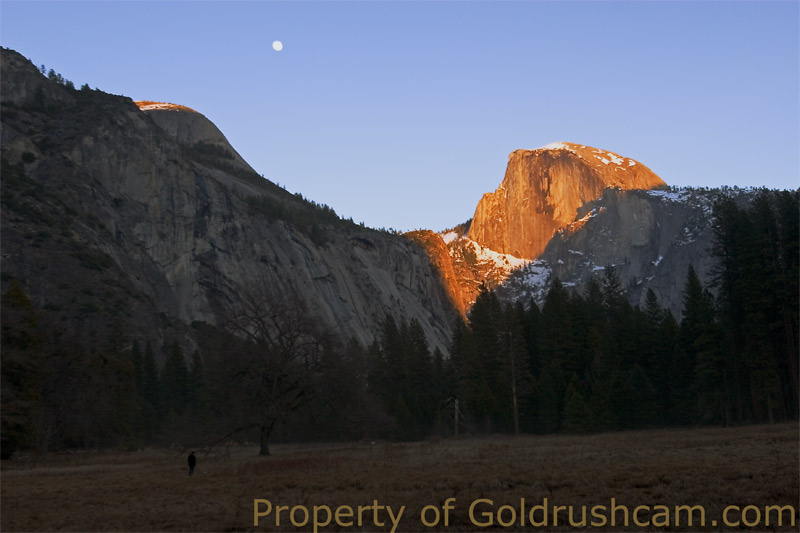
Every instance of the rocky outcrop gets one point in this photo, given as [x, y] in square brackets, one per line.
[21, 88]
[650, 238]
[115, 216]
[465, 265]
[437, 250]
[190, 127]
[542, 191]
[476, 265]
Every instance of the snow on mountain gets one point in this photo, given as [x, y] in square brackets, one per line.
[450, 236]
[474, 265]
[649, 237]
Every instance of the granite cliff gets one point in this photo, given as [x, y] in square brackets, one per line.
[542, 191]
[150, 221]
[190, 127]
[570, 211]
[144, 214]
[650, 238]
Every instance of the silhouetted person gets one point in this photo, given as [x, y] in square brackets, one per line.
[192, 462]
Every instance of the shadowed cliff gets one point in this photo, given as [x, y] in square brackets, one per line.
[150, 220]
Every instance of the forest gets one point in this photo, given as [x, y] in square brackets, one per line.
[579, 363]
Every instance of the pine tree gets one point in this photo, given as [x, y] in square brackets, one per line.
[600, 405]
[467, 373]
[697, 319]
[532, 325]
[531, 321]
[519, 377]
[486, 322]
[578, 416]
[22, 343]
[551, 397]
[556, 341]
[404, 377]
[137, 360]
[758, 301]
[658, 368]
[174, 382]
[198, 400]
[638, 409]
[419, 388]
[150, 392]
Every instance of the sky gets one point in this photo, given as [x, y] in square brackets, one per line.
[402, 114]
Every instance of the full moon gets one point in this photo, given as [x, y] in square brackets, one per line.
[277, 46]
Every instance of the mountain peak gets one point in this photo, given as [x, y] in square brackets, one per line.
[542, 191]
[556, 146]
[190, 127]
[594, 156]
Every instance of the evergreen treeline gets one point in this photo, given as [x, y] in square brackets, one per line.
[582, 362]
[753, 363]
[407, 379]
[592, 362]
[60, 390]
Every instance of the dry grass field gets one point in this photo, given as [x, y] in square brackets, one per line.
[150, 490]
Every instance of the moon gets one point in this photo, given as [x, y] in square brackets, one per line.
[277, 46]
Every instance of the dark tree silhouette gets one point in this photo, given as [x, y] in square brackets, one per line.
[272, 368]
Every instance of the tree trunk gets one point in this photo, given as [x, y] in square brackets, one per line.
[513, 386]
[265, 431]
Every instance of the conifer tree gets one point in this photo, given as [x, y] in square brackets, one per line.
[551, 397]
[466, 373]
[519, 377]
[697, 320]
[22, 343]
[556, 342]
[174, 382]
[150, 391]
[486, 323]
[419, 389]
[758, 303]
[577, 413]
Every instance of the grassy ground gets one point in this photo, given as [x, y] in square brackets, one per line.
[150, 490]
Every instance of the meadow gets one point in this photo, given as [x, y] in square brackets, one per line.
[149, 490]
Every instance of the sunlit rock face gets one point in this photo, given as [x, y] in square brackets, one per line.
[464, 265]
[451, 279]
[542, 191]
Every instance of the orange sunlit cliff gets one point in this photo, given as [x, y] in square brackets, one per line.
[542, 191]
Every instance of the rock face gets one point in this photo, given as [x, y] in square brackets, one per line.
[542, 191]
[650, 238]
[143, 214]
[435, 247]
[151, 221]
[568, 211]
[190, 127]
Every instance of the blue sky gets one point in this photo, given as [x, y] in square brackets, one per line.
[402, 114]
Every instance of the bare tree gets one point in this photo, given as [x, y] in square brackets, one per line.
[273, 369]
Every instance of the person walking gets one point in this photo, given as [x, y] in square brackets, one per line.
[192, 463]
